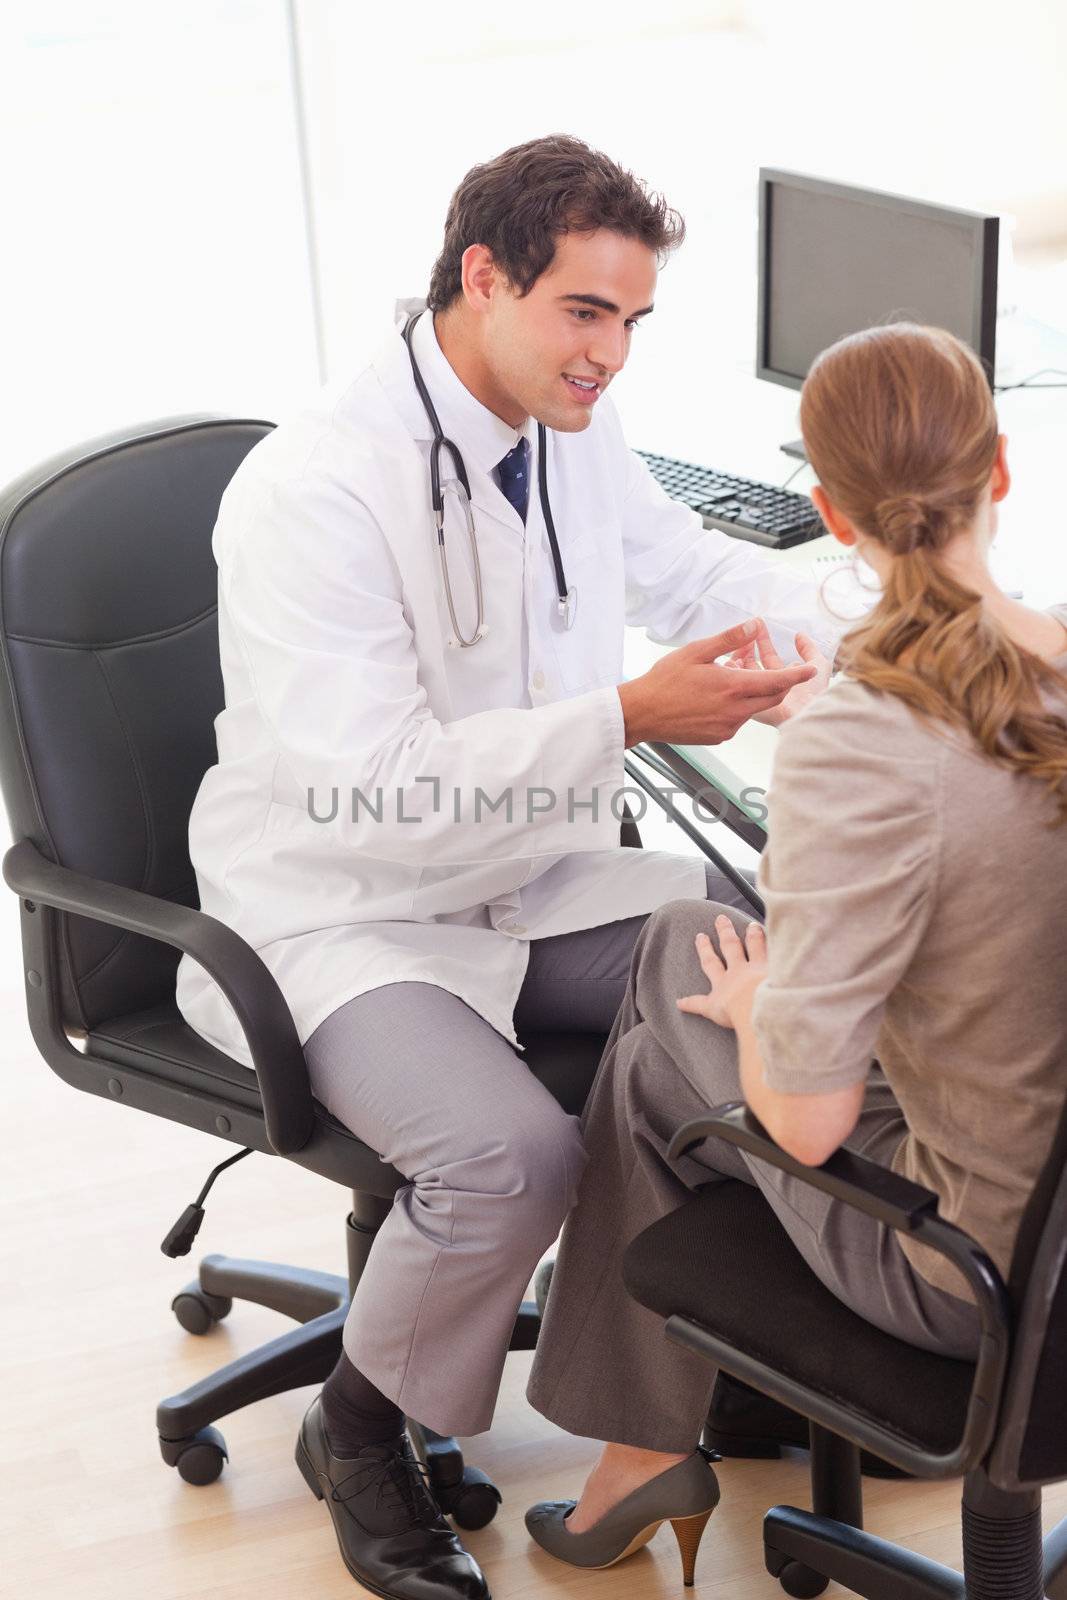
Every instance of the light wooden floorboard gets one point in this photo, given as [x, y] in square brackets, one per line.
[88, 1345]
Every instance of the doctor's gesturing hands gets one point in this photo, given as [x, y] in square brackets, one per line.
[692, 696]
[760, 652]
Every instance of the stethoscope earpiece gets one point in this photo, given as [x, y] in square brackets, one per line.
[567, 601]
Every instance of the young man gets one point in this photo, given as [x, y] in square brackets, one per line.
[415, 813]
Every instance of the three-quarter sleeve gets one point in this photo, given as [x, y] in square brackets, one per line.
[853, 816]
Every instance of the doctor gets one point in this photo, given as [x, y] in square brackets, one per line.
[414, 817]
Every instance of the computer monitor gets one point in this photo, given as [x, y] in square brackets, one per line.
[834, 259]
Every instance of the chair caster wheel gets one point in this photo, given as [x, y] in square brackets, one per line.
[801, 1581]
[473, 1502]
[199, 1459]
[197, 1311]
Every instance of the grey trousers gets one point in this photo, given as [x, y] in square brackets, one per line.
[604, 1367]
[493, 1162]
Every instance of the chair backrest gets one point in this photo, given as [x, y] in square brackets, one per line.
[111, 678]
[1031, 1447]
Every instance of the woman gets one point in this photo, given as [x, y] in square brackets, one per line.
[914, 889]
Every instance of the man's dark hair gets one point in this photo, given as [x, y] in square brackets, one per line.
[519, 204]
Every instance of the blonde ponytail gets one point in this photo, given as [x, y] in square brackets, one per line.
[900, 427]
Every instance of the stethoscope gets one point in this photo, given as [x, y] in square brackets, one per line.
[567, 599]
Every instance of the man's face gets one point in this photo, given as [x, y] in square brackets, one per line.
[550, 354]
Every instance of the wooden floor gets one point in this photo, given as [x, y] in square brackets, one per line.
[88, 1344]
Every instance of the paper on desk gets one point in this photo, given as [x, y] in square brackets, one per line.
[848, 587]
[851, 588]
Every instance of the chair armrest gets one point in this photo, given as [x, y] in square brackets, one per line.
[248, 985]
[857, 1181]
[853, 1178]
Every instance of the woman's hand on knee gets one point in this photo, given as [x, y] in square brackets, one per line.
[734, 972]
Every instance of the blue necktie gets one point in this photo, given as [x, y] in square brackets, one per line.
[513, 474]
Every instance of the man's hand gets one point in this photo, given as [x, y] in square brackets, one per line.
[693, 697]
[734, 979]
[760, 652]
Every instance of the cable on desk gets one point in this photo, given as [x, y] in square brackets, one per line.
[1029, 383]
[795, 472]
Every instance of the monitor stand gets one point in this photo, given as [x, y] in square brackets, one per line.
[794, 448]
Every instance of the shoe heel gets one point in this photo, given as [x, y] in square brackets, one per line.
[689, 1531]
[307, 1471]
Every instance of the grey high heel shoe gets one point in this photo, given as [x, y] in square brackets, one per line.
[685, 1496]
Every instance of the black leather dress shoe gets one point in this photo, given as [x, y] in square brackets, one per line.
[393, 1538]
[743, 1422]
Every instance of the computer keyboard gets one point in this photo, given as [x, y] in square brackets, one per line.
[756, 511]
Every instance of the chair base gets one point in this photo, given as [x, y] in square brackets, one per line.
[1002, 1548]
[304, 1355]
[319, 1302]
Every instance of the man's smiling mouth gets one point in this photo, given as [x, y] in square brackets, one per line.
[585, 389]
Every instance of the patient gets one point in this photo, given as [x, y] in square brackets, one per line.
[914, 883]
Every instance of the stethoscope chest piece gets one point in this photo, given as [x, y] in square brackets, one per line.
[567, 608]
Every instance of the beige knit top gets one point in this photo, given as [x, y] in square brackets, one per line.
[917, 913]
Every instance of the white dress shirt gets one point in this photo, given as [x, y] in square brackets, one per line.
[339, 675]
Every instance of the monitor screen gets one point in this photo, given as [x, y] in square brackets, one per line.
[835, 259]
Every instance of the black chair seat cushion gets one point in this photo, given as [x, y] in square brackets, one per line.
[724, 1261]
[161, 1038]
[161, 1041]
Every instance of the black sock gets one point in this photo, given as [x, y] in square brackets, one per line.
[355, 1413]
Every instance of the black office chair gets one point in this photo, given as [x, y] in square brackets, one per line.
[111, 685]
[1000, 1421]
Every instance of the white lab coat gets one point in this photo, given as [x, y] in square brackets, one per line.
[338, 674]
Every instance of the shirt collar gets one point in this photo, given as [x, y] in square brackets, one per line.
[482, 437]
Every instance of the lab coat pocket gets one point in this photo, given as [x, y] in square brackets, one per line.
[589, 653]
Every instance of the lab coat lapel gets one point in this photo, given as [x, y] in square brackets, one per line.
[488, 501]
[409, 526]
[393, 366]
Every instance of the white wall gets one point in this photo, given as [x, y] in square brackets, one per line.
[960, 102]
[154, 250]
[155, 253]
